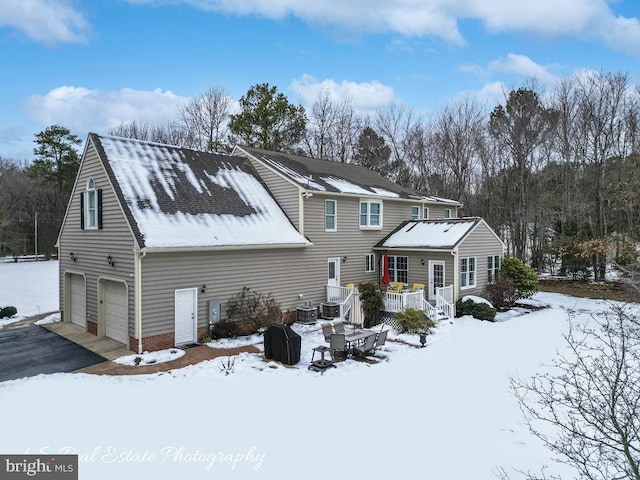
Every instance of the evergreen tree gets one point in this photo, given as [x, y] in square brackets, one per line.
[373, 152]
[56, 158]
[268, 120]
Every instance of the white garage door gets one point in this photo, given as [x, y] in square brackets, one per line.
[78, 300]
[116, 311]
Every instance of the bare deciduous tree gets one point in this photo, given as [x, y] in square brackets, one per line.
[586, 409]
[206, 119]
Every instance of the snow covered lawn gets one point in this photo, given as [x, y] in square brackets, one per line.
[31, 287]
[441, 412]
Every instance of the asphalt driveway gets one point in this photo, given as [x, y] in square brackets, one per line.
[29, 351]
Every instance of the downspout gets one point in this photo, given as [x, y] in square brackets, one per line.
[138, 294]
[456, 280]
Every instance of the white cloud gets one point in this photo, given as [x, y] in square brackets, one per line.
[365, 97]
[82, 110]
[45, 21]
[490, 95]
[514, 64]
[523, 66]
[585, 19]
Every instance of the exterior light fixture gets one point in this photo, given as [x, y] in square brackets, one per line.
[422, 261]
[344, 259]
[203, 289]
[73, 257]
[110, 261]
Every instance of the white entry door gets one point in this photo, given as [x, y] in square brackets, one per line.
[185, 315]
[333, 272]
[436, 277]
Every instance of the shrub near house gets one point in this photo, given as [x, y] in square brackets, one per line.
[515, 281]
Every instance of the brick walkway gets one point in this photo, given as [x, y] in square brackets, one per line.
[191, 357]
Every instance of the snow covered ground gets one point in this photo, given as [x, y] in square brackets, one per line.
[441, 412]
[31, 287]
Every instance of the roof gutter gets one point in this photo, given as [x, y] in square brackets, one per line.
[416, 249]
[225, 248]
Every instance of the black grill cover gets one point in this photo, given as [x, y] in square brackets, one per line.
[282, 344]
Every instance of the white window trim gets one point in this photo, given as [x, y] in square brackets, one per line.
[369, 263]
[90, 214]
[368, 226]
[393, 272]
[447, 213]
[493, 272]
[466, 274]
[335, 216]
[417, 216]
[425, 213]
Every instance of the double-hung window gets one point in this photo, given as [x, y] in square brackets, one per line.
[425, 213]
[369, 263]
[447, 213]
[370, 215]
[330, 216]
[493, 267]
[415, 213]
[398, 268]
[467, 272]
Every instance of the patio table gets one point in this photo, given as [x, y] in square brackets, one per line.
[356, 337]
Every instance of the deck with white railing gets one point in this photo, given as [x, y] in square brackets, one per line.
[399, 302]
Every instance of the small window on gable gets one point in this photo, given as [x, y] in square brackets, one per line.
[415, 213]
[330, 216]
[91, 206]
[426, 213]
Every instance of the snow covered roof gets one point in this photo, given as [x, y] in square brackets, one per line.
[337, 177]
[176, 197]
[427, 234]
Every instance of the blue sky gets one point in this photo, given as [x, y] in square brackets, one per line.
[89, 65]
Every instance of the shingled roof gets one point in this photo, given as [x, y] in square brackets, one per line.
[177, 197]
[326, 176]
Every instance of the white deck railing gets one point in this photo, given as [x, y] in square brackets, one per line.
[399, 302]
[341, 296]
[444, 301]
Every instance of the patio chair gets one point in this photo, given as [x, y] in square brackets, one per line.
[337, 345]
[338, 327]
[367, 347]
[417, 286]
[327, 330]
[350, 286]
[381, 340]
[394, 287]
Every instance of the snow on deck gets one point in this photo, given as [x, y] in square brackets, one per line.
[195, 199]
[437, 234]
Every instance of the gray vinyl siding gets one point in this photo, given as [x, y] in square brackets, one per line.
[286, 194]
[480, 243]
[284, 273]
[91, 247]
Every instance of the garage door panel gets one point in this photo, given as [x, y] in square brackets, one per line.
[78, 300]
[116, 311]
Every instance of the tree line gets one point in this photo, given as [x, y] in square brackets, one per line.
[555, 173]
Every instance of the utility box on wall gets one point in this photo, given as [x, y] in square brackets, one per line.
[215, 311]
